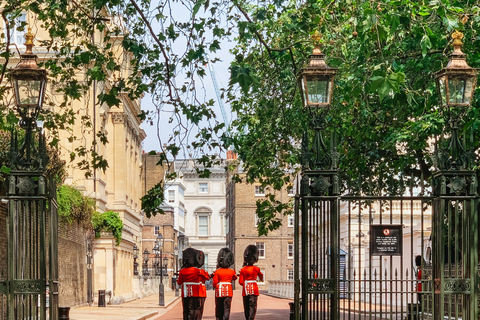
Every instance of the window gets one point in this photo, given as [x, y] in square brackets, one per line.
[261, 249]
[260, 281]
[203, 187]
[290, 274]
[203, 225]
[257, 220]
[156, 230]
[205, 265]
[171, 195]
[227, 225]
[290, 251]
[291, 221]
[18, 36]
[259, 191]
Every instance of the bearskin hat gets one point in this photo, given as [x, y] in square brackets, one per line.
[250, 255]
[224, 258]
[189, 257]
[200, 259]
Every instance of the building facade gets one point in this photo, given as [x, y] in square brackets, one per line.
[204, 208]
[276, 250]
[117, 188]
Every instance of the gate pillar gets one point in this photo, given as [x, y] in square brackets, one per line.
[455, 245]
[319, 208]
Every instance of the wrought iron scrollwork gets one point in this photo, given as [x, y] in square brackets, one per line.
[453, 286]
[28, 286]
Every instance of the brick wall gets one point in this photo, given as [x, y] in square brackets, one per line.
[72, 264]
[241, 208]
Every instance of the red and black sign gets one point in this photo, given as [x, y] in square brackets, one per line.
[386, 240]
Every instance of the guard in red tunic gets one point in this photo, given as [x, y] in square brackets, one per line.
[199, 262]
[222, 282]
[191, 279]
[248, 279]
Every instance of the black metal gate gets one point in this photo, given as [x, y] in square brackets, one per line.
[412, 254]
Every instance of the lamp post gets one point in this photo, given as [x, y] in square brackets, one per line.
[145, 272]
[319, 173]
[456, 85]
[135, 257]
[30, 193]
[455, 188]
[317, 81]
[161, 289]
[175, 271]
[29, 83]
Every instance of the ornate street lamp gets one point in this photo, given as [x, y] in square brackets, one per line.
[156, 264]
[32, 213]
[317, 78]
[145, 272]
[319, 165]
[456, 85]
[135, 257]
[456, 82]
[317, 83]
[161, 289]
[29, 83]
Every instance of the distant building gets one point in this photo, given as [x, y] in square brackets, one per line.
[276, 249]
[203, 206]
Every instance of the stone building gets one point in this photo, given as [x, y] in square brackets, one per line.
[276, 249]
[204, 208]
[118, 188]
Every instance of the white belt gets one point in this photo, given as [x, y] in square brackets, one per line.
[185, 287]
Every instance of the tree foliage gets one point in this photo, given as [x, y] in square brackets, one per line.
[108, 221]
[385, 108]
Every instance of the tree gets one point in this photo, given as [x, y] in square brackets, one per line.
[385, 101]
[385, 109]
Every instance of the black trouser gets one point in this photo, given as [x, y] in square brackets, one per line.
[201, 304]
[193, 308]
[222, 308]
[250, 307]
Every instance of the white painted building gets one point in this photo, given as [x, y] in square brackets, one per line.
[202, 201]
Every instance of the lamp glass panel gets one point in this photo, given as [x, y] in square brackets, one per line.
[443, 89]
[318, 89]
[469, 89]
[456, 90]
[29, 92]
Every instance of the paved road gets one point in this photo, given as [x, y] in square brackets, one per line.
[269, 308]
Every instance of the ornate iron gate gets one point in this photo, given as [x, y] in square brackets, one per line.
[32, 236]
[409, 255]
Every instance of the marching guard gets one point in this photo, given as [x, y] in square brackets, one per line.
[222, 282]
[192, 280]
[248, 280]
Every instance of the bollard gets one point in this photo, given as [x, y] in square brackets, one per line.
[292, 310]
[101, 298]
[63, 313]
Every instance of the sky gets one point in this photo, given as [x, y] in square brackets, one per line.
[221, 69]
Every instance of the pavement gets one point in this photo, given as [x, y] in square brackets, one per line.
[269, 308]
[139, 309]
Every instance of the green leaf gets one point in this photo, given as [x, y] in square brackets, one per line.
[425, 45]
[387, 85]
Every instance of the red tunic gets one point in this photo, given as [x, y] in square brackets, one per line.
[192, 279]
[248, 279]
[222, 282]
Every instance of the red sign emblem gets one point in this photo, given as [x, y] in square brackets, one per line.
[386, 232]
